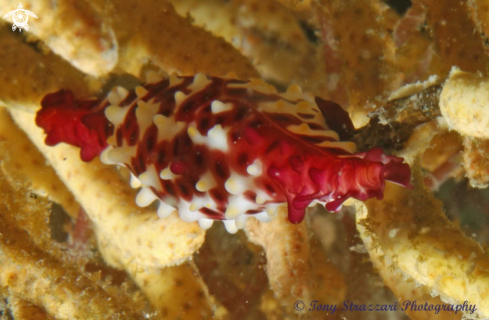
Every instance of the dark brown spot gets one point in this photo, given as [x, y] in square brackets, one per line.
[176, 147]
[204, 124]
[119, 137]
[313, 139]
[184, 189]
[241, 113]
[187, 107]
[305, 115]
[142, 165]
[109, 129]
[199, 159]
[315, 126]
[187, 140]
[210, 212]
[150, 143]
[219, 120]
[243, 159]
[169, 187]
[217, 195]
[253, 211]
[161, 157]
[220, 170]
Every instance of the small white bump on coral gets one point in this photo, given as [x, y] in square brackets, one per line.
[112, 140]
[116, 95]
[116, 114]
[255, 168]
[232, 212]
[141, 92]
[186, 214]
[238, 205]
[135, 183]
[294, 92]
[199, 83]
[145, 197]
[153, 77]
[164, 210]
[198, 203]
[179, 98]
[237, 184]
[149, 178]
[262, 197]
[206, 183]
[168, 128]
[272, 209]
[175, 80]
[230, 226]
[166, 174]
[218, 138]
[241, 220]
[261, 86]
[121, 155]
[205, 223]
[144, 115]
[195, 135]
[305, 107]
[104, 156]
[218, 106]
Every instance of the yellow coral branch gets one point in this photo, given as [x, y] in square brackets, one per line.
[27, 76]
[75, 31]
[37, 277]
[22, 158]
[476, 161]
[138, 233]
[292, 272]
[464, 103]
[156, 33]
[23, 310]
[173, 291]
[410, 232]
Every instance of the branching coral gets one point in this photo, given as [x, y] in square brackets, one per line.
[418, 242]
[105, 197]
[89, 44]
[49, 279]
[293, 271]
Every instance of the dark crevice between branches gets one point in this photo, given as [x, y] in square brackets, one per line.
[391, 125]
